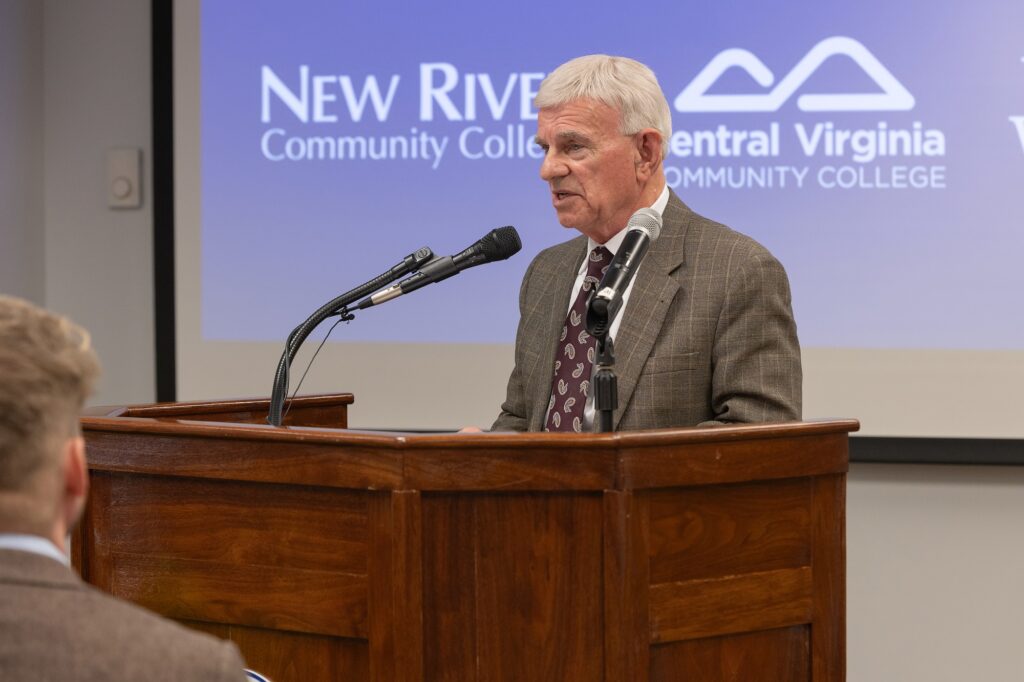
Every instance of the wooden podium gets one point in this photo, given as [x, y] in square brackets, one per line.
[330, 554]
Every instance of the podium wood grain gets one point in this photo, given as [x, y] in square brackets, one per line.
[332, 554]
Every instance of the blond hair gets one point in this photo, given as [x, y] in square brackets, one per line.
[47, 370]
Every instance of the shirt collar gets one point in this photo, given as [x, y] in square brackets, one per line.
[613, 244]
[33, 544]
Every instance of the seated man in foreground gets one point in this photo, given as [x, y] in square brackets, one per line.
[52, 625]
[706, 332]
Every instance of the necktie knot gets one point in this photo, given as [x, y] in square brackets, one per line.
[597, 264]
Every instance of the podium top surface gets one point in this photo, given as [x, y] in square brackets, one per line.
[230, 439]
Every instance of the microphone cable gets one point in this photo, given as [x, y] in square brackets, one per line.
[342, 317]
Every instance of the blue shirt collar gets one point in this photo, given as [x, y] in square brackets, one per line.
[33, 544]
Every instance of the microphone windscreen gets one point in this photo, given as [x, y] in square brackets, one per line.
[501, 243]
[648, 220]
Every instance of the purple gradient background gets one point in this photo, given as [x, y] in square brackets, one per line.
[869, 268]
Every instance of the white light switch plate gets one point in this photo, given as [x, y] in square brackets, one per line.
[124, 177]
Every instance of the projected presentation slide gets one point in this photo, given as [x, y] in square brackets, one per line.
[876, 148]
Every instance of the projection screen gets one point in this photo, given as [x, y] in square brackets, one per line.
[877, 149]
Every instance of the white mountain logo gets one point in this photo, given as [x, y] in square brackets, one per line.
[1018, 123]
[893, 96]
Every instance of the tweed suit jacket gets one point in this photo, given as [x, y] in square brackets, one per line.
[55, 627]
[707, 336]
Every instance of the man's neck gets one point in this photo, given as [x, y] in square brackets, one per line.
[652, 191]
[56, 533]
[647, 199]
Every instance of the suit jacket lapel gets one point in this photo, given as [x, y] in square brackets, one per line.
[649, 301]
[557, 278]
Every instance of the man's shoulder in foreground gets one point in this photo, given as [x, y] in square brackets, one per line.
[54, 626]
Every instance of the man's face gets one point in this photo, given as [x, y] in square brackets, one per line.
[590, 167]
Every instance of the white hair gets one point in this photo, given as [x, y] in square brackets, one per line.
[622, 83]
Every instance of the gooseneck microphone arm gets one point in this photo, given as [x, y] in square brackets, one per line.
[335, 306]
[496, 245]
[644, 227]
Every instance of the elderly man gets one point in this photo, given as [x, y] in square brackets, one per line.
[52, 625]
[706, 332]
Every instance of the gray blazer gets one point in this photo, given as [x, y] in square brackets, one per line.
[55, 627]
[708, 335]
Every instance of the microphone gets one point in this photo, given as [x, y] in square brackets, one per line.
[496, 245]
[335, 306]
[643, 228]
[408, 264]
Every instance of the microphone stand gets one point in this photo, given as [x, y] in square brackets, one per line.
[335, 307]
[605, 384]
[605, 302]
[498, 244]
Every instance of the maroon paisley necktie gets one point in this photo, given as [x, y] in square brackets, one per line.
[574, 358]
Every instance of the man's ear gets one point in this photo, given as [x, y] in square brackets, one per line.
[76, 481]
[648, 153]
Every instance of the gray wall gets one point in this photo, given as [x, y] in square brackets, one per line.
[934, 553]
[935, 556]
[21, 149]
[75, 81]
